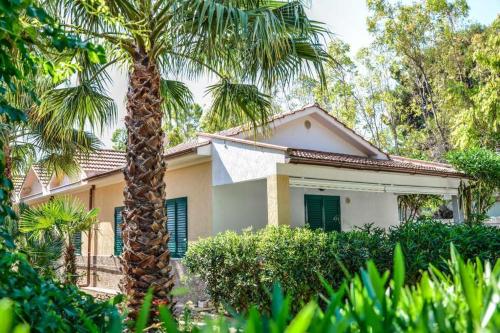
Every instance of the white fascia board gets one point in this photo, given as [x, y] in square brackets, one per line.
[369, 187]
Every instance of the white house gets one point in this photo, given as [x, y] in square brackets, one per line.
[305, 167]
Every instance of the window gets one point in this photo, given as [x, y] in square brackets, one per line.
[118, 230]
[176, 211]
[77, 243]
[322, 212]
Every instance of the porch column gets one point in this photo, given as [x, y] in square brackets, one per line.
[457, 212]
[278, 200]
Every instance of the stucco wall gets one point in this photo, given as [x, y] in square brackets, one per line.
[236, 162]
[239, 206]
[364, 207]
[195, 183]
[317, 137]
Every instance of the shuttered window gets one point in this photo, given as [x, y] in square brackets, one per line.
[77, 243]
[322, 212]
[177, 226]
[176, 211]
[118, 231]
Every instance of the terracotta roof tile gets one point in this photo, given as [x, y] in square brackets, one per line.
[102, 160]
[185, 147]
[42, 174]
[394, 164]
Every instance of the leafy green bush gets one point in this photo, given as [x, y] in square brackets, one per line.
[240, 270]
[466, 300]
[48, 306]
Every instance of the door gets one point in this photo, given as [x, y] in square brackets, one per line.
[322, 212]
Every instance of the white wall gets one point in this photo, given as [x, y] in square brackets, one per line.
[294, 134]
[494, 211]
[239, 206]
[364, 207]
[234, 162]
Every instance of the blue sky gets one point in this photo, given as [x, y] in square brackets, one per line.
[345, 18]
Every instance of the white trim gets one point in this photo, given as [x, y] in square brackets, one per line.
[369, 187]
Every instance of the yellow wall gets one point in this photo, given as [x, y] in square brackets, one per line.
[193, 182]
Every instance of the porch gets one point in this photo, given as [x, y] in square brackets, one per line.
[329, 197]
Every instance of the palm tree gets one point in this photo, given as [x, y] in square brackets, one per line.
[60, 123]
[61, 217]
[249, 46]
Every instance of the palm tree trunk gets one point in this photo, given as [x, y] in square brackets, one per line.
[145, 258]
[70, 276]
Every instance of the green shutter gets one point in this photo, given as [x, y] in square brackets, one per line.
[176, 210]
[118, 230]
[314, 211]
[77, 243]
[322, 212]
[331, 209]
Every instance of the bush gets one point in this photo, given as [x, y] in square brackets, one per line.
[466, 300]
[240, 270]
[48, 306]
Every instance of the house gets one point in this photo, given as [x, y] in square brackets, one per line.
[305, 167]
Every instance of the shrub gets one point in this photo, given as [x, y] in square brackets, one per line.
[240, 270]
[466, 300]
[48, 306]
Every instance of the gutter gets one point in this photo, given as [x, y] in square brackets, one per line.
[309, 161]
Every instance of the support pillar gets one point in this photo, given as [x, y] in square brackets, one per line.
[458, 216]
[278, 200]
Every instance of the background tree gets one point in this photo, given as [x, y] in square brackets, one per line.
[477, 193]
[119, 139]
[427, 84]
[250, 46]
[62, 217]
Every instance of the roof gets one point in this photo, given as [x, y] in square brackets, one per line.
[102, 160]
[42, 174]
[240, 129]
[185, 147]
[394, 164]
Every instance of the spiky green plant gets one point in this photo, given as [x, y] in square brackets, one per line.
[466, 300]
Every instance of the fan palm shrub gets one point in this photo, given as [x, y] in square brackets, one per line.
[250, 47]
[61, 217]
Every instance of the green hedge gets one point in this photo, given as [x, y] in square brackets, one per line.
[240, 269]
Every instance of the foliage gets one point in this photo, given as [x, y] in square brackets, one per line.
[55, 127]
[466, 300]
[46, 305]
[428, 83]
[62, 217]
[483, 168]
[240, 270]
[119, 139]
[414, 206]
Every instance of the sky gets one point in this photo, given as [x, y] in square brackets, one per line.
[345, 18]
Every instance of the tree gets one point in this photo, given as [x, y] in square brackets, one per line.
[246, 44]
[119, 139]
[58, 110]
[64, 217]
[479, 124]
[477, 194]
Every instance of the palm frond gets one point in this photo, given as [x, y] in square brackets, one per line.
[176, 98]
[80, 107]
[237, 103]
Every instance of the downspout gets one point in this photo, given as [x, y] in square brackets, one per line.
[89, 237]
